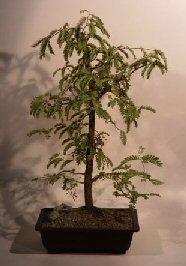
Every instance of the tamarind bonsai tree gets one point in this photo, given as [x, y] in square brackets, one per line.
[93, 69]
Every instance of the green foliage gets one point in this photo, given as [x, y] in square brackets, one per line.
[42, 131]
[102, 160]
[151, 159]
[101, 69]
[123, 137]
[123, 175]
[54, 160]
[69, 183]
[149, 108]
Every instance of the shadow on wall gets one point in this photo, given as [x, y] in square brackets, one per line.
[20, 198]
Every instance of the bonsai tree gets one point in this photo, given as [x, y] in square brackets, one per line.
[94, 69]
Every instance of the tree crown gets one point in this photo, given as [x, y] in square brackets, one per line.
[100, 69]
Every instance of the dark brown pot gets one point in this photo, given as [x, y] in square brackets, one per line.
[86, 240]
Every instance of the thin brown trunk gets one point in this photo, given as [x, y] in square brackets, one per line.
[89, 158]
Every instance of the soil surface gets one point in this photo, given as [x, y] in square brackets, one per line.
[94, 218]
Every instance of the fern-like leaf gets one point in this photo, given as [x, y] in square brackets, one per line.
[123, 137]
[151, 159]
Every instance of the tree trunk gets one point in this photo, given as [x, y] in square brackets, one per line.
[89, 157]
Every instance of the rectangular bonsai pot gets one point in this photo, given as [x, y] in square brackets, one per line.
[87, 239]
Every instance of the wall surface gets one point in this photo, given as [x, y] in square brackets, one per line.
[151, 24]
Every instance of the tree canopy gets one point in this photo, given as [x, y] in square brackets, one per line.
[99, 68]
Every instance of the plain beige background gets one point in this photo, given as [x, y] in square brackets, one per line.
[151, 24]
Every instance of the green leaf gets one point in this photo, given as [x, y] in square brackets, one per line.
[54, 160]
[98, 22]
[108, 162]
[156, 182]
[128, 159]
[41, 131]
[149, 70]
[52, 178]
[102, 159]
[115, 89]
[61, 38]
[162, 55]
[58, 127]
[122, 49]
[101, 113]
[151, 159]
[67, 147]
[92, 29]
[123, 137]
[43, 47]
[99, 158]
[143, 72]
[148, 108]
[50, 48]
[131, 51]
[66, 141]
[37, 42]
[112, 103]
[154, 194]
